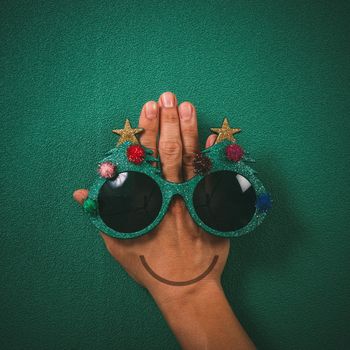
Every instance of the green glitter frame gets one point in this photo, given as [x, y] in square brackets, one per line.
[217, 155]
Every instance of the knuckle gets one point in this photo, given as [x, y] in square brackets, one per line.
[149, 144]
[170, 148]
[190, 150]
[173, 172]
[187, 159]
[170, 116]
[191, 133]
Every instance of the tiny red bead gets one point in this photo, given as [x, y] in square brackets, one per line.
[135, 154]
[234, 152]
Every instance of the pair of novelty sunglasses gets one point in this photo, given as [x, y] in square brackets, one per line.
[130, 196]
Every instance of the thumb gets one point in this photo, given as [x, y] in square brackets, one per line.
[80, 195]
[210, 140]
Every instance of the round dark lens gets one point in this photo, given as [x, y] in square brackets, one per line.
[129, 202]
[224, 200]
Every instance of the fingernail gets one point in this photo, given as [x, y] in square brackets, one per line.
[168, 100]
[210, 140]
[185, 111]
[151, 110]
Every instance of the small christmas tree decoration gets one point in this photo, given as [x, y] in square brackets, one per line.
[90, 206]
[202, 164]
[234, 152]
[127, 134]
[135, 154]
[225, 132]
[107, 170]
[264, 202]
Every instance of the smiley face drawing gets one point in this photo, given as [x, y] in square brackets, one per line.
[178, 283]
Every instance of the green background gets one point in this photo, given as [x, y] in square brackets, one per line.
[73, 70]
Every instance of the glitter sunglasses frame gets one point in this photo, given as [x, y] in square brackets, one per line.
[219, 161]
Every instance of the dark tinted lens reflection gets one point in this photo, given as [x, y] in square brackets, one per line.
[224, 200]
[129, 202]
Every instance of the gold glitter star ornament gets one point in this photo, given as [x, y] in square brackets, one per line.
[225, 132]
[127, 133]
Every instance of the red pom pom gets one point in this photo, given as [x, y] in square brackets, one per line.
[135, 154]
[234, 152]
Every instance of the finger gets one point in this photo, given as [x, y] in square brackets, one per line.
[149, 121]
[189, 135]
[210, 140]
[170, 145]
[80, 195]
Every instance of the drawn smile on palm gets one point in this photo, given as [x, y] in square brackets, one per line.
[178, 283]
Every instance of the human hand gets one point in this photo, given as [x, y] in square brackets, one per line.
[177, 250]
[182, 264]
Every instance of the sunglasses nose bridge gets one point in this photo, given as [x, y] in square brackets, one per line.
[182, 189]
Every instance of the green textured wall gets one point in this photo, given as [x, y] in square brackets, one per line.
[73, 70]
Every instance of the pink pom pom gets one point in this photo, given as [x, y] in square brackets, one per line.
[107, 170]
[234, 152]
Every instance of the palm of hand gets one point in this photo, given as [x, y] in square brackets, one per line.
[177, 250]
